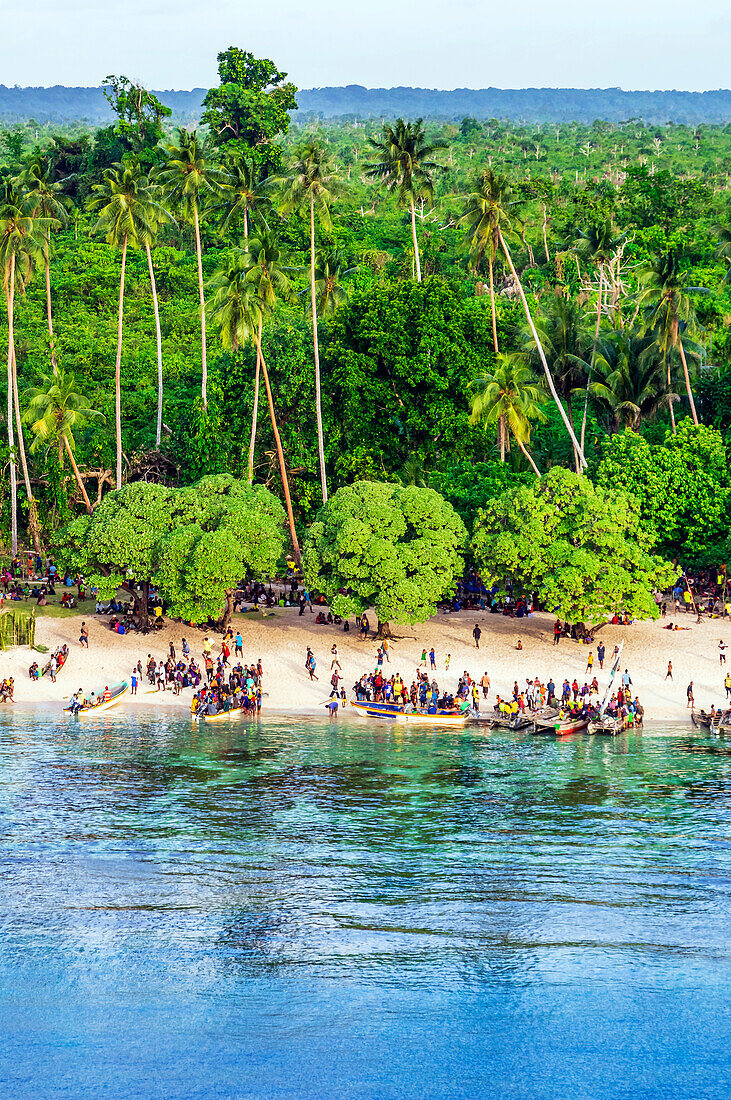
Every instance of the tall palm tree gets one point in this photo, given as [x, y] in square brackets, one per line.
[507, 398]
[242, 197]
[668, 311]
[155, 214]
[598, 244]
[566, 341]
[56, 409]
[578, 449]
[188, 178]
[628, 382]
[242, 292]
[330, 272]
[124, 204]
[486, 208]
[21, 238]
[406, 166]
[48, 202]
[309, 186]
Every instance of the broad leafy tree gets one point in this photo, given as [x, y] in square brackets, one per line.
[583, 549]
[395, 548]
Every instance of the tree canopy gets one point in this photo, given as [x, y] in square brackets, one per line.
[396, 548]
[584, 549]
[194, 544]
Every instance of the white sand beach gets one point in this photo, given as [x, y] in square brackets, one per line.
[280, 640]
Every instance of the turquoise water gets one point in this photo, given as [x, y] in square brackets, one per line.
[297, 908]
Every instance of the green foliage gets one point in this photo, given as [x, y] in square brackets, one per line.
[251, 106]
[584, 549]
[681, 487]
[194, 544]
[396, 548]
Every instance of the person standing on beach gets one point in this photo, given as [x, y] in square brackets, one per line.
[133, 681]
[423, 659]
[432, 659]
[556, 632]
[722, 647]
[476, 634]
[335, 663]
[590, 661]
[239, 644]
[385, 646]
[689, 693]
[669, 673]
[84, 636]
[446, 663]
[311, 664]
[600, 651]
[485, 683]
[727, 685]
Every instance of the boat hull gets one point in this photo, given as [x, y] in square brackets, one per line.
[118, 693]
[561, 729]
[395, 712]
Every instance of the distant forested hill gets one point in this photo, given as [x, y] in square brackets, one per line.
[61, 104]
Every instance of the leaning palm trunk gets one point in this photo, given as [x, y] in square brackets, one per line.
[541, 352]
[204, 361]
[158, 337]
[315, 342]
[9, 299]
[32, 508]
[693, 413]
[492, 305]
[77, 475]
[416, 243]
[118, 368]
[670, 401]
[593, 355]
[525, 451]
[255, 412]
[280, 456]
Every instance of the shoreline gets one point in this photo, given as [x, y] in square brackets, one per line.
[281, 636]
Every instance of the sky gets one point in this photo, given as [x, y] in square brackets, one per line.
[378, 43]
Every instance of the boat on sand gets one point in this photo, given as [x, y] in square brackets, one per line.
[397, 712]
[116, 694]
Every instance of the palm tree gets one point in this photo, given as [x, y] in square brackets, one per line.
[629, 380]
[310, 185]
[21, 238]
[486, 207]
[155, 215]
[508, 399]
[188, 178]
[243, 291]
[566, 341]
[125, 208]
[55, 411]
[241, 194]
[668, 312]
[599, 244]
[406, 166]
[49, 203]
[330, 271]
[503, 219]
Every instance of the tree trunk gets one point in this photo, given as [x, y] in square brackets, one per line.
[77, 475]
[204, 361]
[118, 369]
[32, 507]
[501, 436]
[282, 466]
[158, 337]
[492, 306]
[545, 236]
[416, 243]
[541, 352]
[528, 456]
[315, 343]
[10, 300]
[670, 402]
[384, 630]
[141, 611]
[227, 611]
[593, 354]
[255, 412]
[687, 383]
[49, 314]
[569, 406]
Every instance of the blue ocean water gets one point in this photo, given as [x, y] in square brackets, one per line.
[298, 908]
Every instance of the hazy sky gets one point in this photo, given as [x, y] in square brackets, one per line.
[429, 43]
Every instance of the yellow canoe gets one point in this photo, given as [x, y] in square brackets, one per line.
[221, 714]
[118, 691]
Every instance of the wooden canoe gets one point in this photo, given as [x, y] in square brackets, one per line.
[118, 691]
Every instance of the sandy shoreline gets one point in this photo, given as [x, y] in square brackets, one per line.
[280, 640]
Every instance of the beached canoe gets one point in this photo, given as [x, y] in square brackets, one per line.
[705, 720]
[608, 726]
[509, 721]
[118, 691]
[398, 713]
[552, 725]
[235, 713]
